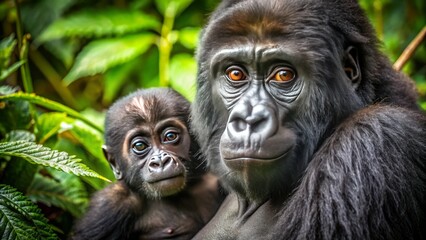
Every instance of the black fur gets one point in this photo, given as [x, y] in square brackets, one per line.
[361, 150]
[162, 191]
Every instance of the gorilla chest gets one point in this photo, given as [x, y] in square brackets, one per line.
[238, 220]
[165, 221]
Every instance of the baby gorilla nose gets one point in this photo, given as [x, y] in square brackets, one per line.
[159, 162]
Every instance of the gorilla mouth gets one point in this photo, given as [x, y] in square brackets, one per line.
[166, 178]
[168, 186]
[241, 161]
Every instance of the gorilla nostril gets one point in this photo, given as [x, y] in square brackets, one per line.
[239, 125]
[154, 165]
[259, 125]
[166, 160]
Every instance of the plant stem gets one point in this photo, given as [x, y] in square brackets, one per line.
[49, 104]
[378, 12]
[23, 42]
[25, 68]
[166, 44]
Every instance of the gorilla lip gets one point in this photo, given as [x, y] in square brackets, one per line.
[165, 178]
[240, 161]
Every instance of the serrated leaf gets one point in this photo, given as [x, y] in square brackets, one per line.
[97, 23]
[69, 146]
[41, 155]
[183, 72]
[6, 89]
[17, 135]
[20, 218]
[65, 191]
[100, 55]
[52, 105]
[92, 142]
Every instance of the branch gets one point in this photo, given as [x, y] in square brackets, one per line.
[409, 51]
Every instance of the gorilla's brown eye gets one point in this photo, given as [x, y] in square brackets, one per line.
[170, 136]
[235, 74]
[283, 75]
[139, 147]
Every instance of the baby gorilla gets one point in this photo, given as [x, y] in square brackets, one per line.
[162, 190]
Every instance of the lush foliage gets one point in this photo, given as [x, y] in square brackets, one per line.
[62, 63]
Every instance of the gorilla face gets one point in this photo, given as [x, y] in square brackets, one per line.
[275, 79]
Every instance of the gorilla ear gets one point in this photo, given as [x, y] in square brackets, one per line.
[114, 166]
[351, 66]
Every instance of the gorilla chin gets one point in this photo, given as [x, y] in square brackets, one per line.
[169, 186]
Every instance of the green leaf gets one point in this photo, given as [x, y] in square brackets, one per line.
[7, 45]
[69, 145]
[41, 155]
[183, 73]
[65, 191]
[172, 7]
[100, 55]
[423, 106]
[20, 218]
[49, 124]
[37, 15]
[97, 23]
[5, 73]
[96, 117]
[19, 174]
[188, 37]
[17, 135]
[91, 140]
[52, 105]
[6, 89]
[115, 78]
[15, 114]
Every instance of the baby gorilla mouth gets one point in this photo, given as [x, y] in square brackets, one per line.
[165, 179]
[166, 175]
[168, 186]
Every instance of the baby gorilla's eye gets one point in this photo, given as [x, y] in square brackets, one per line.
[139, 147]
[171, 137]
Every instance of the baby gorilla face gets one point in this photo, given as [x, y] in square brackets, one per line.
[148, 143]
[158, 155]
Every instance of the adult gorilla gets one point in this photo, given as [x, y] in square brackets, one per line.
[305, 121]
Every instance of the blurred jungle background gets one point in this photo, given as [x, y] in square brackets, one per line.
[63, 62]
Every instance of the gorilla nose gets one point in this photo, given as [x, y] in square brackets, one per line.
[159, 162]
[260, 120]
